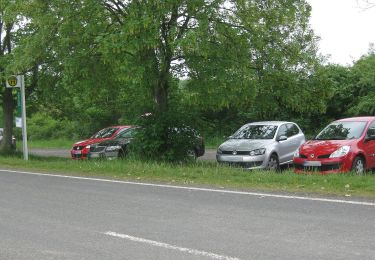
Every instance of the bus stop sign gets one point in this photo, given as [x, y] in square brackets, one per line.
[14, 82]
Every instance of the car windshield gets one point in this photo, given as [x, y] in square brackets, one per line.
[342, 131]
[256, 132]
[105, 133]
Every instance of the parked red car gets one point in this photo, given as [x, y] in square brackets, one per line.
[82, 148]
[344, 145]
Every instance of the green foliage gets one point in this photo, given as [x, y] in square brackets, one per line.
[42, 126]
[167, 137]
[363, 86]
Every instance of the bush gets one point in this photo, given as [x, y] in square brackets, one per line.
[42, 126]
[167, 137]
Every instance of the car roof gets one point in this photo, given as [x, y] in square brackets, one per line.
[121, 126]
[359, 118]
[278, 123]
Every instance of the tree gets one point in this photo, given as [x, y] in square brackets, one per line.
[363, 86]
[7, 24]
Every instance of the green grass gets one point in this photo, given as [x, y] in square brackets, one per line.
[207, 174]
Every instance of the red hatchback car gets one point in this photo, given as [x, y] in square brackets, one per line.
[82, 148]
[344, 145]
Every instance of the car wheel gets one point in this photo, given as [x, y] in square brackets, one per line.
[121, 154]
[273, 163]
[359, 165]
[191, 155]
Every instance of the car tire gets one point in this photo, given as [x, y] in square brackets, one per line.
[191, 154]
[121, 154]
[273, 163]
[359, 165]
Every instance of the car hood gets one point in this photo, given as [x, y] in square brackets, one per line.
[322, 147]
[90, 141]
[244, 144]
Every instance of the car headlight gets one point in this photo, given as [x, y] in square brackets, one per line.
[259, 151]
[219, 151]
[88, 146]
[342, 151]
[296, 153]
[113, 148]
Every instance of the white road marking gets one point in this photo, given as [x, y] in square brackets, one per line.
[169, 246]
[257, 194]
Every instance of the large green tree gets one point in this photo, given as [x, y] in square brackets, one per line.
[101, 58]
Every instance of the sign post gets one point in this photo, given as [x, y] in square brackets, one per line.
[19, 82]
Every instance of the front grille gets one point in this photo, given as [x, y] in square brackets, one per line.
[303, 156]
[96, 149]
[237, 152]
[324, 156]
[78, 147]
[245, 164]
[323, 168]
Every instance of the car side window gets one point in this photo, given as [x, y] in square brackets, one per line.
[371, 130]
[282, 131]
[129, 133]
[292, 130]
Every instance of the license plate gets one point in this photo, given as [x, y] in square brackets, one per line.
[77, 152]
[233, 159]
[312, 163]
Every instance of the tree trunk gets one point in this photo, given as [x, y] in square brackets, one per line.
[161, 95]
[8, 107]
[8, 102]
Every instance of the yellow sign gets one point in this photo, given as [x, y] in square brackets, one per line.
[12, 81]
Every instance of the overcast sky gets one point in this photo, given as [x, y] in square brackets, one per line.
[346, 29]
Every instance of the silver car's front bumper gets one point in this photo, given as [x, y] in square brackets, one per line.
[246, 161]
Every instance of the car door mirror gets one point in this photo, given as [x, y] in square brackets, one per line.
[282, 138]
[230, 137]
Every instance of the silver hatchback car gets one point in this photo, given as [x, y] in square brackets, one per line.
[262, 145]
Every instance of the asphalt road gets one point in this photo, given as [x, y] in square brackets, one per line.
[49, 217]
[210, 154]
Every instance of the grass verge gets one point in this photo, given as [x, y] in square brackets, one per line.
[201, 174]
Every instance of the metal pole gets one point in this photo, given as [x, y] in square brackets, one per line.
[24, 130]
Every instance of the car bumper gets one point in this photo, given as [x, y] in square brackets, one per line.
[246, 161]
[103, 155]
[78, 156]
[323, 166]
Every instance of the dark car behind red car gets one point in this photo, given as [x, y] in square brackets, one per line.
[82, 148]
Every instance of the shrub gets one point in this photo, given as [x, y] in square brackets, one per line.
[167, 137]
[42, 126]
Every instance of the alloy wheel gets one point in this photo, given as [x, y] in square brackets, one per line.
[359, 166]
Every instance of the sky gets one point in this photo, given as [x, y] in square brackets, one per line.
[345, 27]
